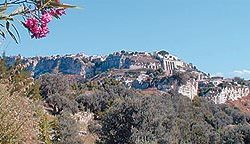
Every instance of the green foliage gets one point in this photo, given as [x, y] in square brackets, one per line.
[103, 96]
[54, 84]
[34, 92]
[18, 123]
[57, 104]
[22, 120]
[3, 68]
[122, 115]
[68, 130]
[47, 126]
[129, 117]
[196, 101]
[163, 52]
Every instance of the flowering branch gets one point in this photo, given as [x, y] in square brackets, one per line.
[36, 15]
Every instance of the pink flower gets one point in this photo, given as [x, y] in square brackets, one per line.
[35, 29]
[41, 32]
[31, 22]
[52, 12]
[57, 12]
[60, 12]
[38, 30]
[44, 31]
[39, 26]
[46, 18]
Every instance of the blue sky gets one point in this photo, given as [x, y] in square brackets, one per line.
[212, 34]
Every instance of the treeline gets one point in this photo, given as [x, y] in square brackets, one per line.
[42, 111]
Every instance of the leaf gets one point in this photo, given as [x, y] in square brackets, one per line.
[56, 16]
[7, 25]
[10, 33]
[58, 5]
[19, 10]
[5, 17]
[13, 36]
[18, 35]
[4, 7]
[2, 34]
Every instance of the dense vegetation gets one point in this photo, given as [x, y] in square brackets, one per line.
[43, 110]
[130, 117]
[22, 117]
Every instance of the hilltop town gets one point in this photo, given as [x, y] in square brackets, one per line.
[159, 71]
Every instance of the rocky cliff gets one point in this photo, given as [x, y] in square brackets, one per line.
[139, 70]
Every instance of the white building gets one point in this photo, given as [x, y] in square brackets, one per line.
[169, 62]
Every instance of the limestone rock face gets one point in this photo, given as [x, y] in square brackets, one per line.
[221, 90]
[45, 65]
[229, 93]
[89, 66]
[73, 65]
[190, 89]
[69, 65]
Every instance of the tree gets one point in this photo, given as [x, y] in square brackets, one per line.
[68, 130]
[54, 84]
[47, 127]
[17, 111]
[57, 104]
[163, 118]
[3, 68]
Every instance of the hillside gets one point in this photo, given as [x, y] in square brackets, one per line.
[243, 104]
[119, 106]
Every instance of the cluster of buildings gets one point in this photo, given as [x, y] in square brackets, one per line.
[142, 60]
